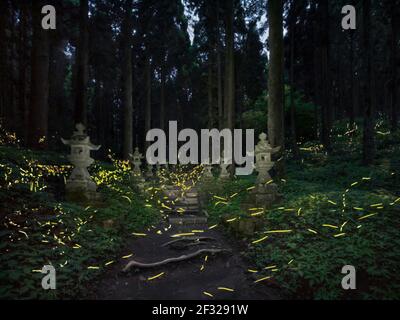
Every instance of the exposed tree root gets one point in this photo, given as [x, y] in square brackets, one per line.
[192, 238]
[137, 264]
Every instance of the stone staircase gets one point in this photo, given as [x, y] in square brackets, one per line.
[186, 209]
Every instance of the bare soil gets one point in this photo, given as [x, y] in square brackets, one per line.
[182, 280]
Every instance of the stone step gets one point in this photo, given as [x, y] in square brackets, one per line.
[184, 211]
[186, 206]
[191, 195]
[181, 210]
[186, 201]
[187, 219]
[171, 194]
[189, 202]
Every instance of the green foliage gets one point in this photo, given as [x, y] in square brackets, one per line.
[214, 191]
[335, 212]
[40, 228]
[256, 115]
[305, 112]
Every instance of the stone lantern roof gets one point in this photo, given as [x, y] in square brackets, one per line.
[79, 137]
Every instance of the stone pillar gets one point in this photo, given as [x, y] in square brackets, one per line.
[80, 186]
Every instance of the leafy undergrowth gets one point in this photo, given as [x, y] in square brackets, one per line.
[335, 212]
[38, 227]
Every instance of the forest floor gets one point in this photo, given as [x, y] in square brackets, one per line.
[197, 278]
[335, 212]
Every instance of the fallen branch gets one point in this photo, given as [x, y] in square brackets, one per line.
[192, 238]
[137, 264]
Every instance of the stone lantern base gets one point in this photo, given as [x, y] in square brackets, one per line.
[207, 174]
[266, 195]
[81, 191]
[138, 180]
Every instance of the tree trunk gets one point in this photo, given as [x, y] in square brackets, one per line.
[22, 78]
[127, 83]
[148, 98]
[219, 88]
[40, 81]
[229, 98]
[219, 75]
[101, 116]
[8, 65]
[352, 111]
[326, 115]
[275, 75]
[162, 97]
[3, 58]
[368, 137]
[82, 76]
[394, 53]
[209, 94]
[296, 153]
[316, 70]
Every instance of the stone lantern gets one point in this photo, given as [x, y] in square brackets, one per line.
[149, 172]
[80, 183]
[224, 174]
[266, 191]
[207, 172]
[263, 151]
[136, 159]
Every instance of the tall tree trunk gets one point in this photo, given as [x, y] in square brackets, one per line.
[147, 126]
[8, 65]
[40, 81]
[229, 98]
[293, 135]
[180, 114]
[23, 68]
[82, 76]
[219, 90]
[275, 75]
[3, 58]
[162, 97]
[127, 83]
[210, 94]
[317, 67]
[326, 115]
[394, 54]
[101, 116]
[352, 111]
[219, 75]
[58, 97]
[368, 136]
[13, 73]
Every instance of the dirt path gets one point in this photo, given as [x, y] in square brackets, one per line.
[183, 280]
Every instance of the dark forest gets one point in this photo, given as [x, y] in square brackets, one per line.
[79, 193]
